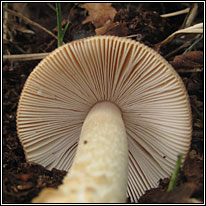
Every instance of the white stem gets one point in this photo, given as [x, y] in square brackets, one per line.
[99, 170]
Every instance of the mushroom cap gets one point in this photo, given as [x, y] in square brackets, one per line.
[65, 85]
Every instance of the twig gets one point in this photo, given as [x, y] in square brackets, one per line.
[24, 57]
[133, 35]
[176, 13]
[193, 44]
[186, 44]
[19, 48]
[190, 16]
[195, 29]
[173, 180]
[30, 22]
[189, 70]
[51, 7]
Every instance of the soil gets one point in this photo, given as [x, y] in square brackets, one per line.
[21, 181]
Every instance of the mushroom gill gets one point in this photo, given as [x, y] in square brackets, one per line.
[65, 86]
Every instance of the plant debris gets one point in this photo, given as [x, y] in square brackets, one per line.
[187, 61]
[99, 13]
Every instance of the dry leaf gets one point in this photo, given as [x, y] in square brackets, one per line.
[99, 13]
[24, 9]
[193, 170]
[113, 28]
[180, 194]
[193, 59]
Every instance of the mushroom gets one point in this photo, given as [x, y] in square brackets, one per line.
[110, 111]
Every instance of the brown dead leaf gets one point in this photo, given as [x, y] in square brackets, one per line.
[193, 170]
[99, 13]
[181, 194]
[24, 9]
[113, 28]
[193, 59]
[63, 24]
[107, 27]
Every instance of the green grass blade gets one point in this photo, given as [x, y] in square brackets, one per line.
[173, 180]
[59, 24]
[65, 29]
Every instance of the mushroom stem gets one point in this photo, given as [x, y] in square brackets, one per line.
[99, 170]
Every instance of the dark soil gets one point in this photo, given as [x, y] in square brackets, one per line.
[21, 181]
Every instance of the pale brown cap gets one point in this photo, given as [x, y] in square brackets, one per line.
[150, 94]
